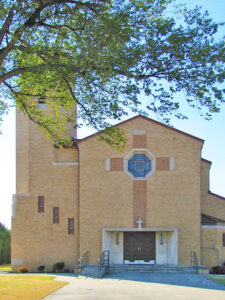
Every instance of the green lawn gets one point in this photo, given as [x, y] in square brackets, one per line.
[219, 279]
[5, 267]
[27, 287]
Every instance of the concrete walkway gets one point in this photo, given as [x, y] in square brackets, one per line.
[152, 286]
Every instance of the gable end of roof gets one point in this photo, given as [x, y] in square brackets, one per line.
[149, 120]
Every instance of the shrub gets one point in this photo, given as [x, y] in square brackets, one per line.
[58, 267]
[217, 270]
[22, 270]
[41, 268]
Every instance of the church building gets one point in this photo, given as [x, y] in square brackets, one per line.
[149, 204]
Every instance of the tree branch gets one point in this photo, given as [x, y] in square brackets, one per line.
[12, 89]
[40, 23]
[31, 21]
[36, 14]
[24, 106]
[6, 26]
[79, 103]
[18, 71]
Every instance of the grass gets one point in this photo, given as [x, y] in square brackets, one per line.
[27, 287]
[5, 268]
[218, 279]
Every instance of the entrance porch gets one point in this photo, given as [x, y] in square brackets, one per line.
[141, 245]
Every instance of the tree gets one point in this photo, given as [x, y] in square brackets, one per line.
[101, 55]
[4, 245]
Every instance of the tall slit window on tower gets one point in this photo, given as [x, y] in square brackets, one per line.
[40, 204]
[56, 215]
[42, 103]
[71, 226]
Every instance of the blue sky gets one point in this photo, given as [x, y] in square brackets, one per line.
[213, 132]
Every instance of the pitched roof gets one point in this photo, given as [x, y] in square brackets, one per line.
[150, 120]
[209, 220]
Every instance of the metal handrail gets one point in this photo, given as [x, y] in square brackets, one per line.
[82, 262]
[103, 264]
[194, 260]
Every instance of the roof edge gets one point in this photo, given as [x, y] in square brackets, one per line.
[214, 219]
[206, 160]
[147, 119]
[216, 195]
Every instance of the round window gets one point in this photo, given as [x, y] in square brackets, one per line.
[139, 165]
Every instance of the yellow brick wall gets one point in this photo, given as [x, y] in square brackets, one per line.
[106, 198]
[220, 232]
[173, 197]
[35, 239]
[22, 153]
[212, 204]
[211, 238]
[66, 155]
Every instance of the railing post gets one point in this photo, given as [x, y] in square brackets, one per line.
[103, 264]
[83, 261]
[194, 260]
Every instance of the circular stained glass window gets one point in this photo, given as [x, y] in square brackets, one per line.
[139, 165]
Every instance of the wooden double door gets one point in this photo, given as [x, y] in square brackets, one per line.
[139, 247]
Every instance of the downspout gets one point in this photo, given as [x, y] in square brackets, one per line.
[217, 248]
[201, 195]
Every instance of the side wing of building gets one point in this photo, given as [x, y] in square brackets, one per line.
[213, 225]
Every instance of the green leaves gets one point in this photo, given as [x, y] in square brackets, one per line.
[4, 245]
[99, 56]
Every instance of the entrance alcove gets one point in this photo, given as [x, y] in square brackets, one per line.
[166, 250]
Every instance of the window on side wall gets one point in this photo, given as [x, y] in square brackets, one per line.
[70, 226]
[41, 206]
[223, 239]
[55, 215]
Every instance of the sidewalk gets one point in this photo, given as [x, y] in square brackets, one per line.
[140, 286]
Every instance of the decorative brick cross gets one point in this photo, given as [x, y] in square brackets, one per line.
[139, 222]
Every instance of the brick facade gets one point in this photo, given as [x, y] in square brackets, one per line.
[78, 182]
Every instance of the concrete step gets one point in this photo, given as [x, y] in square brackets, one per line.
[92, 270]
[153, 268]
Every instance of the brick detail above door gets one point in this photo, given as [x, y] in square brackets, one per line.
[139, 201]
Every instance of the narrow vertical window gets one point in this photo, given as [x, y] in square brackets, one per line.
[70, 226]
[223, 239]
[42, 103]
[40, 204]
[55, 215]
